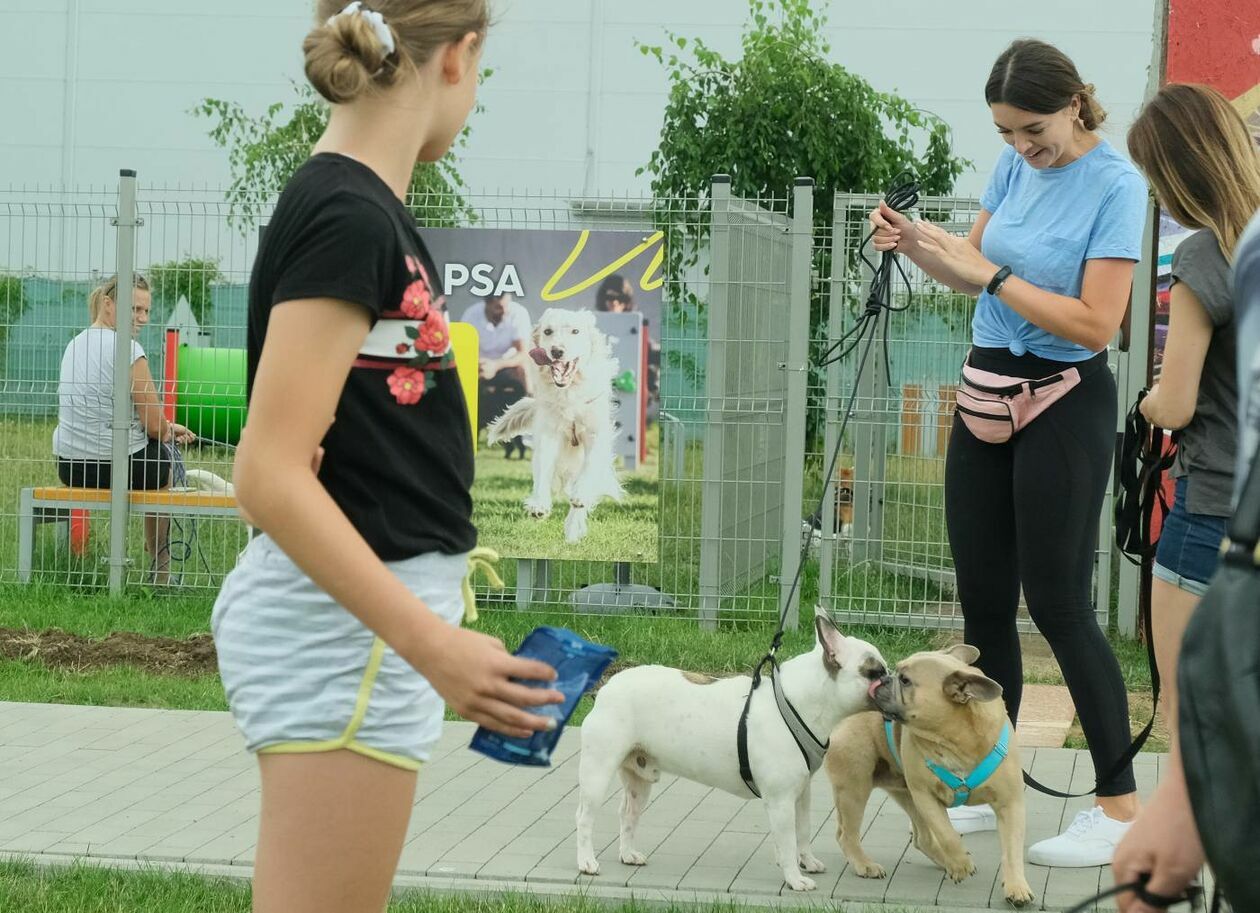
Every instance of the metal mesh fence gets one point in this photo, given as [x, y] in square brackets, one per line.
[754, 291]
[883, 550]
[58, 246]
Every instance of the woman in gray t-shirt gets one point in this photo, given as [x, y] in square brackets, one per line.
[1200, 161]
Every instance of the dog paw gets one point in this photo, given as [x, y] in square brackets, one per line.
[633, 857]
[812, 864]
[588, 866]
[537, 508]
[961, 870]
[800, 883]
[869, 870]
[1019, 895]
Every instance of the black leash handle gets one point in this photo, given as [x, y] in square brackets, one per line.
[1193, 895]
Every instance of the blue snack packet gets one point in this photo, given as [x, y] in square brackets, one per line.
[578, 664]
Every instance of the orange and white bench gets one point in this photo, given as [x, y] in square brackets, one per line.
[51, 504]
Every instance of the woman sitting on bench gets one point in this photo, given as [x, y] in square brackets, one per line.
[83, 440]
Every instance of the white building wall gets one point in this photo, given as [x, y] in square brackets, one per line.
[91, 86]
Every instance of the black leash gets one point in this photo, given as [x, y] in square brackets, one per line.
[1193, 895]
[903, 194]
[1143, 462]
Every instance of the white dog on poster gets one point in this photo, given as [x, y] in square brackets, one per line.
[569, 418]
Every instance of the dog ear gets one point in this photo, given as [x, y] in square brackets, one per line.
[962, 687]
[588, 318]
[963, 652]
[830, 639]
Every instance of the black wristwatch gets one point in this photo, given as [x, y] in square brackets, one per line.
[999, 278]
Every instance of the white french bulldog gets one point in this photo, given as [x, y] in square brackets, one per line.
[653, 719]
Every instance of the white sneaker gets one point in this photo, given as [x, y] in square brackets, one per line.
[1090, 840]
[971, 819]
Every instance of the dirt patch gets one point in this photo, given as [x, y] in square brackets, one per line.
[190, 656]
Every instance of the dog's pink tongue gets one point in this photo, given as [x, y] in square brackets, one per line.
[540, 356]
[875, 683]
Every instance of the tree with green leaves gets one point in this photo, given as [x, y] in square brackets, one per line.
[264, 151]
[782, 110]
[13, 302]
[189, 278]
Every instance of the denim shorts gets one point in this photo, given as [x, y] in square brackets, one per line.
[1189, 546]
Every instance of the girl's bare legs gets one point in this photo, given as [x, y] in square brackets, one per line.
[331, 832]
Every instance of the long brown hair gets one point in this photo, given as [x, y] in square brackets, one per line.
[1034, 76]
[1200, 159]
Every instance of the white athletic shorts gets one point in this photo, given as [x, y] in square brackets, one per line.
[304, 675]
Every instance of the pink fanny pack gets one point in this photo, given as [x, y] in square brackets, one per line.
[995, 406]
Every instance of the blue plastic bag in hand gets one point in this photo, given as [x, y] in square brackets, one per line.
[578, 664]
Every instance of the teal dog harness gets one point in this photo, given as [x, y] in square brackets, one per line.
[962, 787]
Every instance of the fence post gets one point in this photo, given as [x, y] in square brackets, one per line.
[796, 403]
[121, 456]
[715, 402]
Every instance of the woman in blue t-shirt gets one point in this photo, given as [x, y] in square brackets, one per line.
[1051, 259]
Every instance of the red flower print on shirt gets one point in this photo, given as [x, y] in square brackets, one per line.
[407, 385]
[435, 335]
[417, 300]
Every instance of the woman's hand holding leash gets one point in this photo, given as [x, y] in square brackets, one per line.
[892, 230]
[474, 673]
[1162, 843]
[955, 253]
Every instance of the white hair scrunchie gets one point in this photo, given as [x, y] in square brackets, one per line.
[375, 20]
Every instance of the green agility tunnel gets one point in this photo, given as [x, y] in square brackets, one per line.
[210, 391]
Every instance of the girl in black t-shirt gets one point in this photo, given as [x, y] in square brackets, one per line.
[338, 632]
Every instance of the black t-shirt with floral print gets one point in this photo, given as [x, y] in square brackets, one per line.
[398, 458]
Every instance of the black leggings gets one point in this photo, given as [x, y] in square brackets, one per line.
[1026, 512]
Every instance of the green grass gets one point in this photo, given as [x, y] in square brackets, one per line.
[87, 889]
[731, 649]
[625, 531]
[95, 614]
[30, 681]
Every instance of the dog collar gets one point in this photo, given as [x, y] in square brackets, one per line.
[962, 787]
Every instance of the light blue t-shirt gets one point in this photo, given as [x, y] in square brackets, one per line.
[1045, 224]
